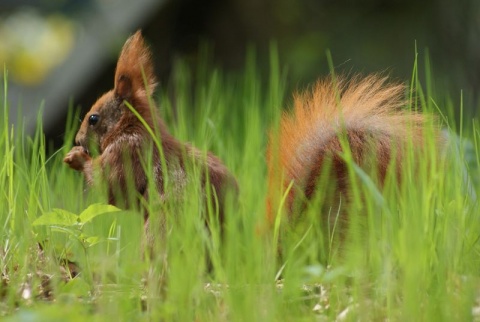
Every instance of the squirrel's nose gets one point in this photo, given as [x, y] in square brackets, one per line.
[79, 138]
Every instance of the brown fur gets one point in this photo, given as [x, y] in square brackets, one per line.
[123, 141]
[366, 113]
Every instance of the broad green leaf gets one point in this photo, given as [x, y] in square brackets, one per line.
[96, 210]
[58, 217]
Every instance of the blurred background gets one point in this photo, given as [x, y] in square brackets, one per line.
[61, 52]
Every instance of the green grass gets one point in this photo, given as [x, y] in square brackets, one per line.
[412, 253]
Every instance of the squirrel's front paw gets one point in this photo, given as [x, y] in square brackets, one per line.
[76, 158]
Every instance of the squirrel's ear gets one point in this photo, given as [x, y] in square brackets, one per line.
[123, 87]
[134, 69]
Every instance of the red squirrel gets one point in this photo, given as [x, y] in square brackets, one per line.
[365, 112]
[125, 144]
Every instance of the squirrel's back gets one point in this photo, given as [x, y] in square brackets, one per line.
[367, 114]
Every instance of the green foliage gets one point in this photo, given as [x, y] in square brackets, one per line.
[64, 218]
[411, 251]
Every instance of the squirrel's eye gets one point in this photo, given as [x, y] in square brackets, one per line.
[93, 119]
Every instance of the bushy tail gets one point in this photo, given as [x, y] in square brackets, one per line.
[367, 113]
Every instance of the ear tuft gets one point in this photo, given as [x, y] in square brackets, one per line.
[123, 87]
[134, 69]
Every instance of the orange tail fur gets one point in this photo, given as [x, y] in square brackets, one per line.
[366, 112]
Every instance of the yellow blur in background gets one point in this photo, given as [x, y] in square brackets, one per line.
[32, 45]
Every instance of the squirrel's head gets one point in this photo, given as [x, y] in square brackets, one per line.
[134, 83]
